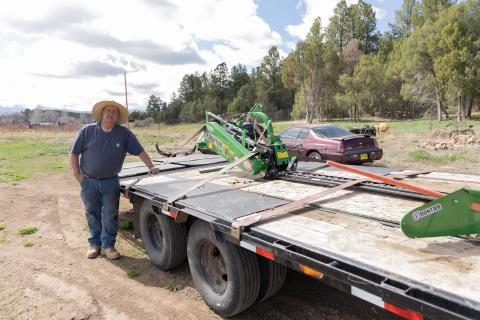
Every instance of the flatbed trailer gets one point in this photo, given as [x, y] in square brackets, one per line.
[350, 239]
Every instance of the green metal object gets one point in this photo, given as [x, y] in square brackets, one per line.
[457, 213]
[209, 170]
[252, 131]
[224, 144]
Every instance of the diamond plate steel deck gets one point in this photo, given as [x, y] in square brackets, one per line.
[218, 200]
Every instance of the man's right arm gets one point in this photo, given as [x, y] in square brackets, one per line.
[75, 167]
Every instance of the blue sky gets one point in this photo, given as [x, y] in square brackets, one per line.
[72, 54]
[281, 13]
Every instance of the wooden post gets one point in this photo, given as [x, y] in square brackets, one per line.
[126, 96]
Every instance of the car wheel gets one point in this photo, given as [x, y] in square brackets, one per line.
[315, 156]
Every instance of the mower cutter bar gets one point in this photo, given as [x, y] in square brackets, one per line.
[372, 186]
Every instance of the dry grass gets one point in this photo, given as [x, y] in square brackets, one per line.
[400, 151]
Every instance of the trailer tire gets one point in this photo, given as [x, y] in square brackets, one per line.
[164, 240]
[226, 276]
[272, 278]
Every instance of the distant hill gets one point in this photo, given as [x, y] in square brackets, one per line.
[10, 110]
[19, 108]
[43, 108]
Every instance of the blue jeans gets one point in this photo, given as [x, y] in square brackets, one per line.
[101, 199]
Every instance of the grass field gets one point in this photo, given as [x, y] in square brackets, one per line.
[31, 155]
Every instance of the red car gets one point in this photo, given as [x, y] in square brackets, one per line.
[329, 142]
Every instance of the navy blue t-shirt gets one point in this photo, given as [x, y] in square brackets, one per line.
[102, 153]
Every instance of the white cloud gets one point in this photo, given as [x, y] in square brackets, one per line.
[380, 14]
[314, 9]
[58, 53]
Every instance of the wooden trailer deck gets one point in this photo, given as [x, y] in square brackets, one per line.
[360, 228]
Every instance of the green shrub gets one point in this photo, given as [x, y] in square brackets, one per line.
[27, 230]
[126, 225]
[28, 244]
[442, 158]
[133, 273]
[173, 286]
[419, 154]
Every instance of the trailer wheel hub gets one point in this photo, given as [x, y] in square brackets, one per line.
[213, 267]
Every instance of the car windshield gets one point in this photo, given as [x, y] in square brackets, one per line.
[330, 131]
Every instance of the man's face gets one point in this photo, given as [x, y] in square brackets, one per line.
[110, 115]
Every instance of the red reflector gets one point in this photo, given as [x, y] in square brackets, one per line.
[475, 206]
[267, 254]
[404, 313]
[172, 214]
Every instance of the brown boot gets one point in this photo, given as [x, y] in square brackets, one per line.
[111, 253]
[93, 252]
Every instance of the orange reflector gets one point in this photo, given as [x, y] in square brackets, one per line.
[310, 272]
[475, 206]
[404, 313]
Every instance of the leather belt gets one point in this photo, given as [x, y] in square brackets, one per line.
[98, 178]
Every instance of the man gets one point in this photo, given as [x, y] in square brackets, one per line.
[101, 148]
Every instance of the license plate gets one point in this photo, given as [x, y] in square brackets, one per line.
[363, 156]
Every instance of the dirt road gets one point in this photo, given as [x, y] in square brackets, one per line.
[45, 275]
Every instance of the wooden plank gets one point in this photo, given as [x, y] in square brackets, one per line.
[297, 204]
[268, 214]
[356, 202]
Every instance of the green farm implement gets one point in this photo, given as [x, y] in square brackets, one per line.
[251, 132]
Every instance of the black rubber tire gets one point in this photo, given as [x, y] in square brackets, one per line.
[315, 156]
[226, 276]
[164, 240]
[272, 278]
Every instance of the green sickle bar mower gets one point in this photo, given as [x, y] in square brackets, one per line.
[453, 214]
[251, 132]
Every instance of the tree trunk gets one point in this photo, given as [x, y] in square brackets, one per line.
[460, 108]
[439, 109]
[305, 101]
[439, 101]
[444, 112]
[468, 111]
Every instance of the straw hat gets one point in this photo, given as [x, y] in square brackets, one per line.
[98, 108]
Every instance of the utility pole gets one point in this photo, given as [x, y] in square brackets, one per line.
[126, 96]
